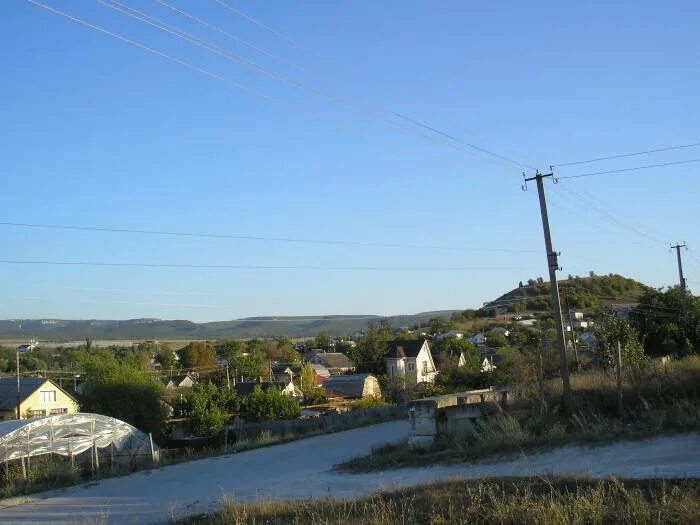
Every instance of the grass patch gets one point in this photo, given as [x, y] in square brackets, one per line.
[657, 400]
[508, 501]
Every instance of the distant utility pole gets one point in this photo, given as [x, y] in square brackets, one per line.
[684, 306]
[553, 264]
[19, 399]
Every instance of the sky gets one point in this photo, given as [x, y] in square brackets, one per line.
[294, 126]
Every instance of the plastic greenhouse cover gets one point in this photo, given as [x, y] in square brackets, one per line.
[69, 434]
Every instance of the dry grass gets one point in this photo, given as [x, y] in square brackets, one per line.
[506, 501]
[657, 400]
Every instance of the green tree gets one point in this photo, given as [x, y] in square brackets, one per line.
[313, 395]
[323, 341]
[167, 358]
[229, 350]
[659, 319]
[609, 330]
[124, 392]
[207, 408]
[266, 405]
[287, 352]
[369, 354]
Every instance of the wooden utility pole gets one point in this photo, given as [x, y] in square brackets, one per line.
[684, 305]
[553, 264]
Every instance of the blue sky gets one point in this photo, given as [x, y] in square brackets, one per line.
[97, 132]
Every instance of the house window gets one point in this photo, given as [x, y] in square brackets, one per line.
[48, 396]
[411, 367]
[37, 413]
[56, 411]
[425, 367]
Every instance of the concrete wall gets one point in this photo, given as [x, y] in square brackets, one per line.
[453, 413]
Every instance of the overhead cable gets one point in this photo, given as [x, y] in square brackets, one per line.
[598, 159]
[248, 237]
[688, 161]
[256, 267]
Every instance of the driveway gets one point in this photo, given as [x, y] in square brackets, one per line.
[302, 470]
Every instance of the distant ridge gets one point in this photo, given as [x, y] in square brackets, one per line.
[151, 328]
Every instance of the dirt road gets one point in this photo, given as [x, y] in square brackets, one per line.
[302, 469]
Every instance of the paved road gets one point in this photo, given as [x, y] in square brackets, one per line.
[302, 469]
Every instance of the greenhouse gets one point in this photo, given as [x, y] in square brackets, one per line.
[71, 435]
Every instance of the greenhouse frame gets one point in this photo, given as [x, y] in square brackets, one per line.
[70, 435]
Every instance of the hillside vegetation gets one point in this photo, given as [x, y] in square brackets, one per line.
[582, 293]
[140, 329]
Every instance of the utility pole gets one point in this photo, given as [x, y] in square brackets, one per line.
[553, 265]
[19, 402]
[684, 306]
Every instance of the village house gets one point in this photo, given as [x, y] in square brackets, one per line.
[38, 397]
[451, 333]
[28, 347]
[321, 373]
[181, 381]
[412, 360]
[354, 386]
[478, 339]
[335, 362]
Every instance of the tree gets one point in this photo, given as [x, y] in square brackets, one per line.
[229, 350]
[385, 328]
[609, 330]
[313, 395]
[197, 354]
[123, 392]
[207, 408]
[287, 352]
[266, 405]
[167, 358]
[659, 319]
[450, 348]
[369, 354]
[323, 341]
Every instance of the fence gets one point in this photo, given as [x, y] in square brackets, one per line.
[287, 428]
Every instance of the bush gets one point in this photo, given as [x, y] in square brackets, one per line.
[266, 405]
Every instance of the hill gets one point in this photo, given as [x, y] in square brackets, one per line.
[145, 329]
[583, 293]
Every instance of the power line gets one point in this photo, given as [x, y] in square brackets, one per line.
[255, 267]
[159, 24]
[628, 169]
[195, 68]
[231, 36]
[588, 205]
[247, 237]
[356, 74]
[587, 161]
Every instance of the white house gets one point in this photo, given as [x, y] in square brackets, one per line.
[487, 365]
[32, 345]
[411, 359]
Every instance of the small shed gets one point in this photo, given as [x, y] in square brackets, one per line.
[355, 386]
